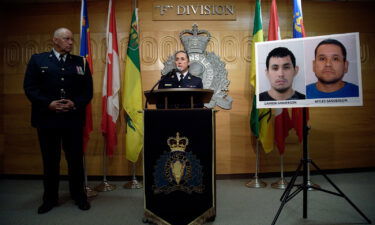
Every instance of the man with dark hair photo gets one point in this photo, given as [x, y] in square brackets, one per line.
[281, 70]
[330, 66]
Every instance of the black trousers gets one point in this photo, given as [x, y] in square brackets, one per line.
[70, 139]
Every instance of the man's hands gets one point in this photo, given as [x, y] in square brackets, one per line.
[62, 105]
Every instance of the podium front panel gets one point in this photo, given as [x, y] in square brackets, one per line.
[179, 166]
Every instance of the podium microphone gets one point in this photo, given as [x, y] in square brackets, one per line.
[172, 72]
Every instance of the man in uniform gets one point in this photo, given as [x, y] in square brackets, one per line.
[59, 86]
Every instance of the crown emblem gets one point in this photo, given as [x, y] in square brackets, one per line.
[195, 41]
[177, 143]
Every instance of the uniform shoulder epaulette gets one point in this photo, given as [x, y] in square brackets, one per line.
[76, 58]
[43, 53]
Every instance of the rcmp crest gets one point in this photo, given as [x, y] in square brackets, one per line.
[203, 64]
[178, 169]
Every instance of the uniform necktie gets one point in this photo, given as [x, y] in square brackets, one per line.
[61, 60]
[181, 79]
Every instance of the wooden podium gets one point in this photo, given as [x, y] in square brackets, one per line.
[179, 158]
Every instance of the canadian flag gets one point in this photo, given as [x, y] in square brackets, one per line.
[283, 122]
[111, 84]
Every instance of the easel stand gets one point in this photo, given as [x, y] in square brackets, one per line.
[305, 186]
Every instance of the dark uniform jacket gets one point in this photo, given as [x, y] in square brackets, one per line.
[171, 81]
[46, 79]
[176, 102]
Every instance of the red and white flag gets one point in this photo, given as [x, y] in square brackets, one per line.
[274, 28]
[283, 122]
[111, 84]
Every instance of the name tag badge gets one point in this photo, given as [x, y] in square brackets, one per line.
[168, 85]
[80, 70]
[43, 69]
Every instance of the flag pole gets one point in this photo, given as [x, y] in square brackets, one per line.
[105, 186]
[89, 191]
[256, 182]
[133, 183]
[281, 183]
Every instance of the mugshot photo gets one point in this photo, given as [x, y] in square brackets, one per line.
[332, 67]
[281, 72]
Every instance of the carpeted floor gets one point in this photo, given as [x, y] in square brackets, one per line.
[236, 204]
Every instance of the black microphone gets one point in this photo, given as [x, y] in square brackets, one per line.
[172, 72]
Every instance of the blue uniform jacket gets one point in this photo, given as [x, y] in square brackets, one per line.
[46, 80]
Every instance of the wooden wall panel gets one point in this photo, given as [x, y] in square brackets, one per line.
[340, 137]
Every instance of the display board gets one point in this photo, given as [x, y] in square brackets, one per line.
[326, 72]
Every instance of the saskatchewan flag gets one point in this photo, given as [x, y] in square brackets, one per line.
[132, 95]
[261, 121]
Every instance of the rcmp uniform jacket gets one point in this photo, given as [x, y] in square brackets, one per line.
[171, 81]
[47, 80]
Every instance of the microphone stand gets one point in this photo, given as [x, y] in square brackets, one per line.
[172, 72]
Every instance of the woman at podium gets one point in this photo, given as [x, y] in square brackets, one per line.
[180, 77]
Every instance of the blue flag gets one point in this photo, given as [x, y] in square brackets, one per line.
[85, 51]
[84, 48]
[298, 27]
[298, 32]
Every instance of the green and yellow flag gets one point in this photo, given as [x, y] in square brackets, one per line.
[261, 121]
[132, 94]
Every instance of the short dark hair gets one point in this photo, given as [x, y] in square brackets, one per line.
[182, 51]
[280, 52]
[332, 42]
